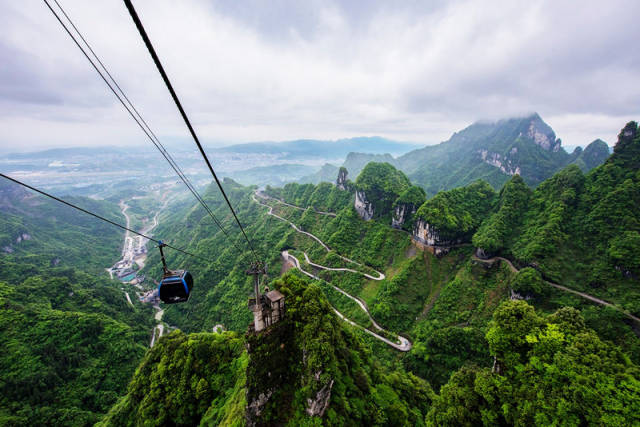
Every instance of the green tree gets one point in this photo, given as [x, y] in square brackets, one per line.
[457, 213]
[382, 184]
[624, 251]
[497, 231]
[529, 282]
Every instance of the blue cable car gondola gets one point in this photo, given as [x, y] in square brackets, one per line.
[175, 286]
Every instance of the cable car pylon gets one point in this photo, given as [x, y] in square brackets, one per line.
[257, 303]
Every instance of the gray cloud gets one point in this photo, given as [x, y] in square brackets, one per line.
[19, 80]
[255, 70]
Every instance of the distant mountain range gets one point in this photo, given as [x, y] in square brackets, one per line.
[305, 148]
[275, 175]
[493, 151]
[66, 152]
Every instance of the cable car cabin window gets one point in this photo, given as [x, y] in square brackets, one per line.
[175, 287]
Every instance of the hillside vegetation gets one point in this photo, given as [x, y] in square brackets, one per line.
[36, 230]
[70, 345]
[580, 230]
[547, 369]
[308, 365]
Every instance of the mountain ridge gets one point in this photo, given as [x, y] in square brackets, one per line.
[489, 150]
[322, 148]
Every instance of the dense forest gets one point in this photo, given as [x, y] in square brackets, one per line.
[70, 339]
[70, 345]
[36, 230]
[311, 355]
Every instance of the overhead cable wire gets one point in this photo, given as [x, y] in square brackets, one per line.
[131, 109]
[57, 199]
[147, 130]
[156, 60]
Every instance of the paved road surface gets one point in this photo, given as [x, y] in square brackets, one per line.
[381, 276]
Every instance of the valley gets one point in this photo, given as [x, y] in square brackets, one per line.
[129, 269]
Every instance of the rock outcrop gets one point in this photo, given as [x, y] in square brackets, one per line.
[402, 214]
[255, 407]
[341, 182]
[319, 404]
[542, 135]
[23, 236]
[363, 206]
[482, 254]
[405, 207]
[377, 190]
[503, 163]
[427, 235]
[509, 162]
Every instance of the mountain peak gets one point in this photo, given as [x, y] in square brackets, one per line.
[541, 133]
[627, 149]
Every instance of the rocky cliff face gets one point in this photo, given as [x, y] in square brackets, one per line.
[500, 162]
[319, 404]
[363, 206]
[482, 254]
[627, 149]
[542, 135]
[537, 131]
[424, 233]
[402, 214]
[341, 182]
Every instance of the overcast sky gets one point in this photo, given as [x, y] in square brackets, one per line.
[280, 70]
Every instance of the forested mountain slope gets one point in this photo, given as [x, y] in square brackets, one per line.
[308, 365]
[414, 275]
[525, 146]
[581, 230]
[492, 151]
[46, 233]
[473, 345]
[70, 340]
[70, 343]
[547, 370]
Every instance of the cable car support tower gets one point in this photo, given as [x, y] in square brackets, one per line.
[267, 308]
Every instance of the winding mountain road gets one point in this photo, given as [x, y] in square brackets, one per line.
[381, 275]
[295, 227]
[402, 344]
[562, 288]
[264, 196]
[128, 298]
